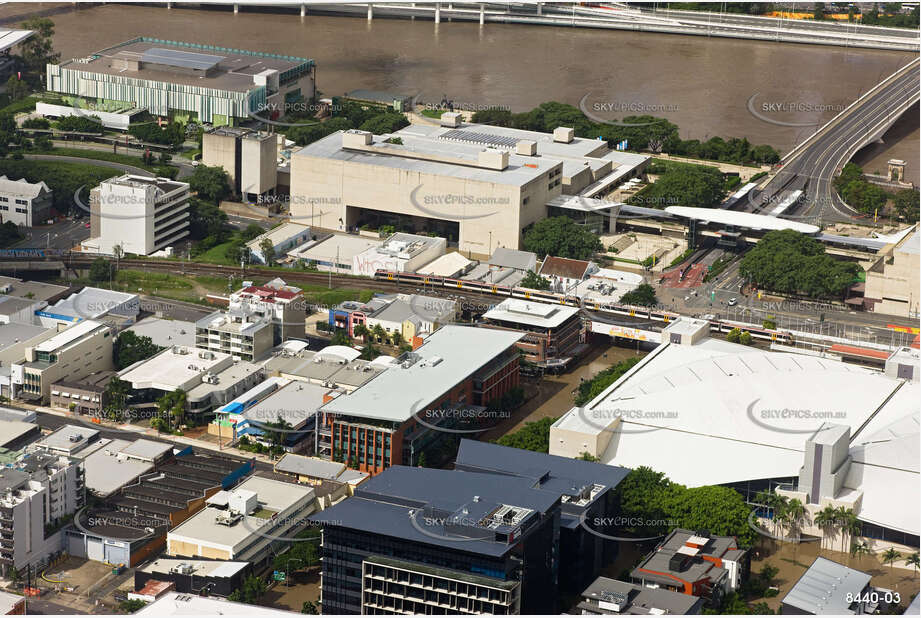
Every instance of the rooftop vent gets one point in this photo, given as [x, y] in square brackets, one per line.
[526, 148]
[493, 159]
[354, 138]
[563, 135]
[451, 119]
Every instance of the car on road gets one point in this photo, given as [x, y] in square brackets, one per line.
[732, 302]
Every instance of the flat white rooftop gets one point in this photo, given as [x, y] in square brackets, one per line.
[68, 336]
[294, 403]
[531, 313]
[178, 604]
[272, 495]
[278, 235]
[338, 246]
[445, 266]
[175, 367]
[448, 356]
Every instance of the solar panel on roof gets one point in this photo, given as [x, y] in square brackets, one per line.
[180, 58]
[475, 137]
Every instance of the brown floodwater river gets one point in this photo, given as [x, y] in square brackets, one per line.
[707, 86]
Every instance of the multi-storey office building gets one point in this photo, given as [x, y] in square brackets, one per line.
[72, 354]
[24, 203]
[393, 418]
[138, 214]
[587, 502]
[208, 378]
[424, 541]
[36, 493]
[551, 332]
[186, 81]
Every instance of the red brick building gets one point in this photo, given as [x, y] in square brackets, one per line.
[431, 392]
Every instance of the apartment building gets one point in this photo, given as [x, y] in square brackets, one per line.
[37, 492]
[283, 304]
[242, 334]
[394, 417]
[71, 355]
[610, 597]
[138, 214]
[694, 563]
[427, 541]
[24, 203]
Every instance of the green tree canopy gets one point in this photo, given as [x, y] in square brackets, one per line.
[643, 295]
[211, 183]
[534, 281]
[534, 436]
[38, 50]
[100, 270]
[130, 348]
[561, 237]
[790, 262]
[589, 389]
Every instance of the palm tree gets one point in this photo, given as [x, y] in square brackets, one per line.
[360, 330]
[796, 513]
[826, 520]
[850, 525]
[859, 549]
[781, 504]
[379, 333]
[890, 556]
[841, 514]
[913, 561]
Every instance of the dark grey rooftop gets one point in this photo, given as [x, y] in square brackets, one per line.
[636, 600]
[446, 508]
[656, 566]
[581, 480]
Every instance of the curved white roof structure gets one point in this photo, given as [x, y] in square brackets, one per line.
[885, 468]
[337, 352]
[717, 413]
[740, 219]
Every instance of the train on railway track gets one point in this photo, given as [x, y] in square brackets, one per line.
[589, 306]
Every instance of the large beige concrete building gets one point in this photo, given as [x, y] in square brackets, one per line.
[72, 354]
[476, 185]
[892, 280]
[249, 157]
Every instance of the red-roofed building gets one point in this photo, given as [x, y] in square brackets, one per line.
[153, 589]
[283, 304]
[565, 273]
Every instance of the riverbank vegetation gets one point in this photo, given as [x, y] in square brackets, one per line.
[644, 132]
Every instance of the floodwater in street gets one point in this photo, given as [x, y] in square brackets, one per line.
[707, 86]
